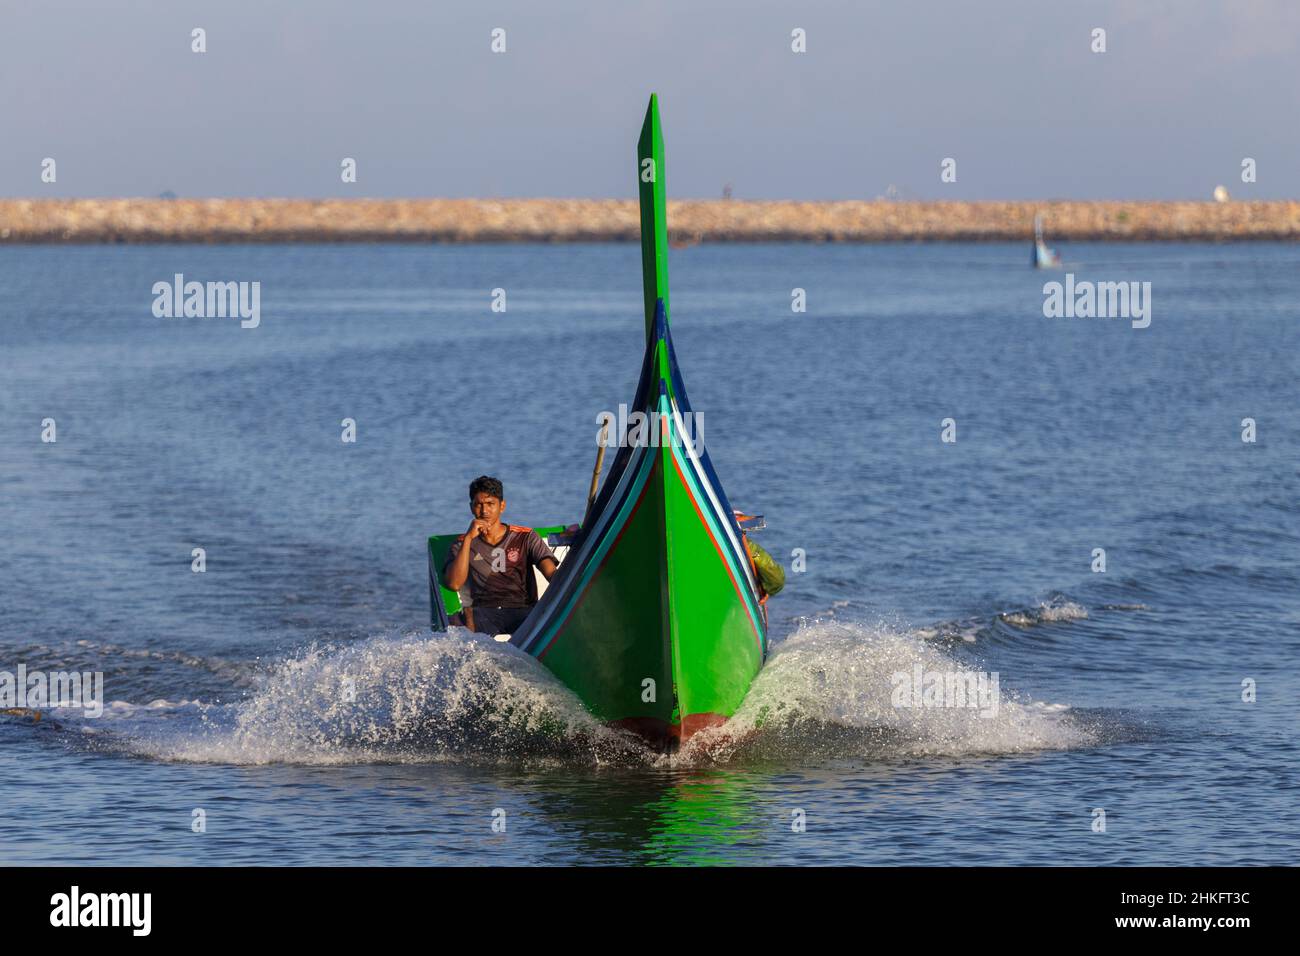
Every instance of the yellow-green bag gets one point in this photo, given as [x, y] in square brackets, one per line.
[770, 574]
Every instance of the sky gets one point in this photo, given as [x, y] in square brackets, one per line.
[411, 89]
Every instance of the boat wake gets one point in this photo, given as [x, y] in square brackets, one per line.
[843, 690]
[830, 691]
[396, 698]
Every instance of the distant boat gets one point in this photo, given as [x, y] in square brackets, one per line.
[1044, 257]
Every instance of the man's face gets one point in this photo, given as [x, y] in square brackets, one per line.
[487, 507]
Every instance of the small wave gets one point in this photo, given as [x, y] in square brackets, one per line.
[952, 632]
[1046, 613]
[236, 671]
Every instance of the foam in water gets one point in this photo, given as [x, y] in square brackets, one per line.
[828, 689]
[826, 692]
[410, 697]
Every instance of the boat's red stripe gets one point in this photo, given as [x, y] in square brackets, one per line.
[605, 560]
[717, 547]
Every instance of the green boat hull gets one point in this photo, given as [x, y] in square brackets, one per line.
[654, 618]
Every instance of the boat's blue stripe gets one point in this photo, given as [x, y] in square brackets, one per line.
[684, 405]
[701, 479]
[595, 559]
[695, 483]
[562, 584]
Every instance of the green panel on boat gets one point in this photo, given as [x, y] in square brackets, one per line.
[717, 648]
[616, 636]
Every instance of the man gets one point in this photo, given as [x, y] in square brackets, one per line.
[497, 560]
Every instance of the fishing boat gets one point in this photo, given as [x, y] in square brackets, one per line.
[655, 617]
[1044, 257]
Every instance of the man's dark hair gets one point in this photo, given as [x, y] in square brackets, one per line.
[489, 486]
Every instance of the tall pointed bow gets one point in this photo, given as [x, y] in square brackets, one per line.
[654, 619]
[654, 217]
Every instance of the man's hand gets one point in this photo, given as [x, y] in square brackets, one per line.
[457, 573]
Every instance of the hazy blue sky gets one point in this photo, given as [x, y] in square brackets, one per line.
[1010, 88]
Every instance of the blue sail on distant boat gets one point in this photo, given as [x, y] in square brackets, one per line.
[1044, 257]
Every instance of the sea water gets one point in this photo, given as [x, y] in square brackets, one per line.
[1100, 521]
